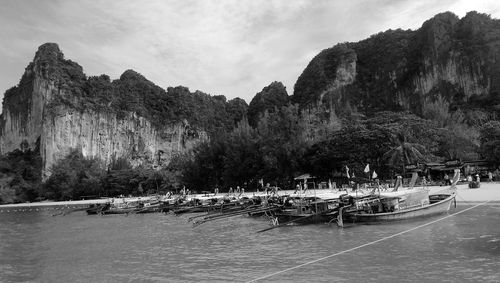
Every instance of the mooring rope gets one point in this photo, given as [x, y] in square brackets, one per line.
[367, 244]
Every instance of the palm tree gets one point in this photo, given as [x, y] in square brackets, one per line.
[404, 153]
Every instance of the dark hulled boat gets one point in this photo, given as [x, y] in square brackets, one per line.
[306, 211]
[97, 208]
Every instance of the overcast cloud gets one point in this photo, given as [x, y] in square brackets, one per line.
[228, 47]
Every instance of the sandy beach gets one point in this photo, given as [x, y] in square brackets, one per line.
[487, 192]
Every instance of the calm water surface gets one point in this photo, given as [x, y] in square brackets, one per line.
[36, 247]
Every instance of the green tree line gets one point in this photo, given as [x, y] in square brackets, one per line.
[285, 143]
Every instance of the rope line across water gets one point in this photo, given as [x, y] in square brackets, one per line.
[365, 245]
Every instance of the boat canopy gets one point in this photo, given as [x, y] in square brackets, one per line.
[304, 177]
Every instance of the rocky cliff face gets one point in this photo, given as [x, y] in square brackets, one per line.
[104, 135]
[271, 97]
[23, 105]
[56, 107]
[449, 59]
[327, 74]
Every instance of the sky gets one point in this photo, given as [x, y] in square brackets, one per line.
[221, 47]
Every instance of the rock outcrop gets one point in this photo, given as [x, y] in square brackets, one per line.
[328, 73]
[56, 107]
[271, 97]
[447, 59]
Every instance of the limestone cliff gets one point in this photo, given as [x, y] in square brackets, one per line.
[58, 108]
[272, 97]
[449, 59]
[328, 73]
[104, 135]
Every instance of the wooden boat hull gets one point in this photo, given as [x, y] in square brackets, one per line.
[304, 218]
[97, 209]
[436, 207]
[93, 211]
[119, 210]
[150, 209]
[307, 211]
[191, 209]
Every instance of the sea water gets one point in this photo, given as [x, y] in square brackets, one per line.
[39, 247]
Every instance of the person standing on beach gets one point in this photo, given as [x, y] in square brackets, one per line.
[274, 190]
[297, 189]
[266, 188]
[424, 182]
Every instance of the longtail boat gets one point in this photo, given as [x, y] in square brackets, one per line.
[395, 206]
[364, 213]
[124, 208]
[308, 210]
[97, 208]
[149, 208]
[135, 206]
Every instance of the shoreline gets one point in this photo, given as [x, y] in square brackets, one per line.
[487, 192]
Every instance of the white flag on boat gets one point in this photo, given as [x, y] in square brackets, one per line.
[374, 175]
[367, 168]
[347, 172]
